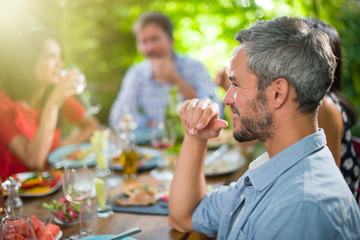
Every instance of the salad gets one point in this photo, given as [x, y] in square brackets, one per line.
[64, 212]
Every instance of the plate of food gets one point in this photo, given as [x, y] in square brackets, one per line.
[81, 153]
[144, 195]
[228, 162]
[147, 159]
[225, 137]
[37, 184]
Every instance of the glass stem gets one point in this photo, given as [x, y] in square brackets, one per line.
[82, 230]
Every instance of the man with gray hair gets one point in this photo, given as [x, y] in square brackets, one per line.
[279, 75]
[146, 85]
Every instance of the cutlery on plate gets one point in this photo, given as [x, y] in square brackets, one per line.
[125, 234]
[213, 157]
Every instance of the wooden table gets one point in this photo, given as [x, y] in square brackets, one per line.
[153, 226]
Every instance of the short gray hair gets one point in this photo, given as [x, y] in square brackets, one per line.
[289, 48]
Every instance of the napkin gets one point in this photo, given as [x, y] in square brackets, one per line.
[158, 208]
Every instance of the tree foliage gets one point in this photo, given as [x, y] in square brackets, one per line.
[97, 33]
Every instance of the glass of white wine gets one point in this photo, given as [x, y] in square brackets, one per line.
[77, 186]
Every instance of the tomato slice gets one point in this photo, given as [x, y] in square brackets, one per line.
[31, 182]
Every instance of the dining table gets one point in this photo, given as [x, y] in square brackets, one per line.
[152, 226]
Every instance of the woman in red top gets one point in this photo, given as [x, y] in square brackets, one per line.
[34, 100]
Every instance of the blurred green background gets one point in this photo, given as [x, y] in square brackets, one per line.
[97, 35]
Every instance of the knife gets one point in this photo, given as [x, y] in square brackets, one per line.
[127, 233]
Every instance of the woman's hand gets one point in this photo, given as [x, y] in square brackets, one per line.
[66, 87]
[201, 118]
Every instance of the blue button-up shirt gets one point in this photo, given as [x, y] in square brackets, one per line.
[298, 194]
[147, 98]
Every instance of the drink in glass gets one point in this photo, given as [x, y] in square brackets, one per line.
[77, 186]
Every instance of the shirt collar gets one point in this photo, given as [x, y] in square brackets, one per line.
[266, 173]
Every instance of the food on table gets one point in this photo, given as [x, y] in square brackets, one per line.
[132, 187]
[42, 231]
[64, 211]
[37, 183]
[225, 137]
[78, 154]
[138, 193]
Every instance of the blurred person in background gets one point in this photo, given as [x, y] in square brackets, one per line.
[145, 87]
[337, 115]
[34, 102]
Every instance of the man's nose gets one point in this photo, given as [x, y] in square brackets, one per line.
[148, 47]
[229, 96]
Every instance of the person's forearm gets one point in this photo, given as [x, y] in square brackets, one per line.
[186, 90]
[35, 152]
[188, 186]
[83, 134]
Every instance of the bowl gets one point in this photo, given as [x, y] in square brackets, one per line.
[65, 213]
[64, 222]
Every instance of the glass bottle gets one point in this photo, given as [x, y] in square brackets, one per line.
[128, 156]
[172, 111]
[13, 203]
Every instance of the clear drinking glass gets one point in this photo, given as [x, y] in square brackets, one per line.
[17, 227]
[77, 186]
[163, 135]
[83, 96]
[162, 138]
[103, 208]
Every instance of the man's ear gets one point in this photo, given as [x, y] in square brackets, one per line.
[280, 92]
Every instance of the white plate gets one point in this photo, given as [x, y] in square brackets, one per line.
[58, 236]
[58, 157]
[25, 175]
[229, 162]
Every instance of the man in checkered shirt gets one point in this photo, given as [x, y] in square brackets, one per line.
[145, 87]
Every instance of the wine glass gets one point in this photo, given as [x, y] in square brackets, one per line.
[77, 186]
[162, 138]
[83, 95]
[17, 227]
[163, 135]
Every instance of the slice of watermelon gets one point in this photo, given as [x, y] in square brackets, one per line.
[14, 236]
[37, 223]
[45, 235]
[17, 226]
[54, 229]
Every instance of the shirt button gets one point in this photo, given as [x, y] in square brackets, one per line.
[247, 181]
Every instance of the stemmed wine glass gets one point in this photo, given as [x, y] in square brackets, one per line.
[77, 186]
[162, 138]
[17, 227]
